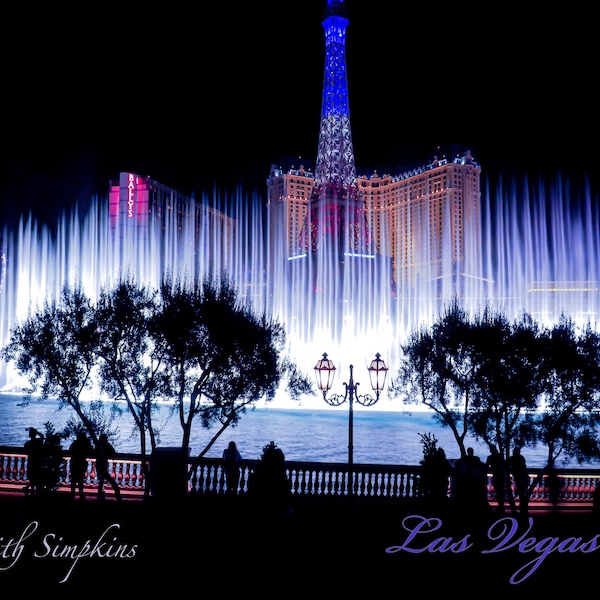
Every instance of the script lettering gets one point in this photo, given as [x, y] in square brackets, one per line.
[423, 525]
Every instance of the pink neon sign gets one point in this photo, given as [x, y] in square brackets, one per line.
[130, 195]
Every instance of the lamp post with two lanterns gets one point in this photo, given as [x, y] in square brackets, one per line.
[324, 372]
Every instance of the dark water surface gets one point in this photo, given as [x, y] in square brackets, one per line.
[384, 437]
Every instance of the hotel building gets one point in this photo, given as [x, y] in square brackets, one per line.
[425, 218]
[187, 229]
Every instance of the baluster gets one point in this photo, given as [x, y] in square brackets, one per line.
[202, 479]
[360, 483]
[292, 480]
[359, 486]
[127, 467]
[307, 482]
[300, 481]
[592, 492]
[194, 479]
[117, 472]
[535, 492]
[584, 489]
[221, 481]
[338, 483]
[19, 471]
[209, 474]
[114, 470]
[540, 492]
[576, 488]
[389, 489]
[589, 489]
[217, 474]
[378, 484]
[568, 488]
[412, 487]
[402, 488]
[242, 480]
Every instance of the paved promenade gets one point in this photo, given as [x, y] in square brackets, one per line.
[200, 546]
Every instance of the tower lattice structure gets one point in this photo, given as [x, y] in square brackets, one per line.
[336, 217]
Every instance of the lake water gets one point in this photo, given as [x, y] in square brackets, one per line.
[321, 435]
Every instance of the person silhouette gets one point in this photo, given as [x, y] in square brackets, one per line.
[269, 486]
[435, 473]
[104, 451]
[495, 464]
[34, 448]
[232, 461]
[470, 484]
[79, 451]
[518, 468]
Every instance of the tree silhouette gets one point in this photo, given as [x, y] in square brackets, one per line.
[509, 384]
[436, 369]
[130, 365]
[55, 349]
[567, 422]
[194, 343]
[220, 357]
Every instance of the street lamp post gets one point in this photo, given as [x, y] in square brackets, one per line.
[324, 372]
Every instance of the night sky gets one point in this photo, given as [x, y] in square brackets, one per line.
[196, 100]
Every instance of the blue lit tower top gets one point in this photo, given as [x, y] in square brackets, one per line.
[335, 158]
[336, 210]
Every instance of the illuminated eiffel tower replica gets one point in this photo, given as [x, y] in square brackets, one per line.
[341, 262]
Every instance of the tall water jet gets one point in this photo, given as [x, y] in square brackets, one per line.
[349, 263]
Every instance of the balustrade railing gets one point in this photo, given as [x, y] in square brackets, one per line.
[317, 480]
[125, 468]
[307, 479]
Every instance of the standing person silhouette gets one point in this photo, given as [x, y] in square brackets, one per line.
[79, 451]
[495, 463]
[232, 461]
[470, 486]
[269, 486]
[436, 472]
[518, 468]
[104, 451]
[34, 448]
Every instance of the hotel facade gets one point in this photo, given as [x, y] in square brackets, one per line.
[424, 218]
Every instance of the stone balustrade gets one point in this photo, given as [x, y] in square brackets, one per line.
[307, 479]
